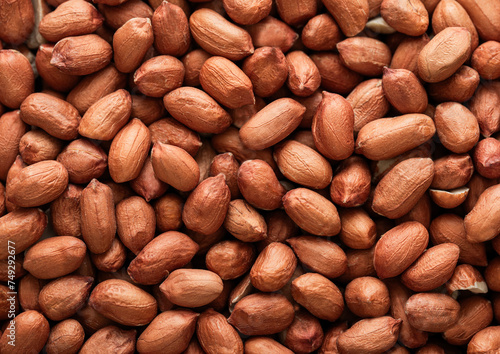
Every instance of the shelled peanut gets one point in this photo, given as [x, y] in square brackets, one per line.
[229, 176]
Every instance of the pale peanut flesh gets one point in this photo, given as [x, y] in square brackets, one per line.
[249, 176]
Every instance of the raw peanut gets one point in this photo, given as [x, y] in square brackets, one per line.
[459, 87]
[273, 268]
[117, 16]
[218, 36]
[318, 295]
[321, 33]
[452, 171]
[358, 229]
[432, 312]
[175, 166]
[335, 76]
[135, 221]
[312, 212]
[18, 20]
[216, 335]
[227, 165]
[192, 287]
[84, 161]
[111, 260]
[444, 54]
[482, 223]
[303, 165]
[367, 297]
[484, 105]
[406, 54]
[466, 277]
[400, 189]
[165, 253]
[147, 109]
[456, 127]
[168, 210]
[23, 227]
[55, 257]
[170, 131]
[386, 138]
[351, 184]
[159, 75]
[12, 129]
[63, 297]
[37, 145]
[259, 186]
[94, 87]
[305, 334]
[320, 255]
[98, 216]
[485, 60]
[128, 151]
[248, 12]
[484, 341]
[450, 228]
[184, 105]
[296, 12]
[368, 102]
[271, 32]
[486, 158]
[206, 207]
[37, 184]
[123, 302]
[351, 16]
[262, 314]
[230, 259]
[332, 127]
[256, 345]
[272, 124]
[374, 335]
[131, 42]
[226, 82]
[366, 56]
[398, 248]
[449, 13]
[244, 222]
[409, 16]
[408, 335]
[50, 74]
[193, 61]
[65, 337]
[27, 339]
[449, 199]
[81, 55]
[65, 212]
[432, 269]
[57, 117]
[2, 200]
[29, 289]
[169, 332]
[104, 119]
[17, 81]
[486, 17]
[404, 91]
[71, 18]
[359, 264]
[303, 75]
[330, 342]
[171, 29]
[110, 338]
